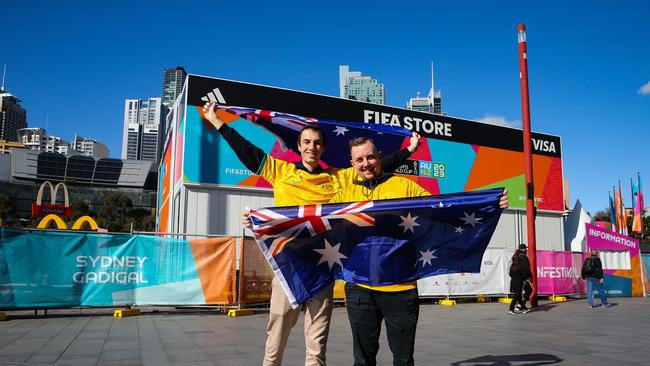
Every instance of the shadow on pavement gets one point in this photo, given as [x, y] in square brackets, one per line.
[531, 359]
[545, 307]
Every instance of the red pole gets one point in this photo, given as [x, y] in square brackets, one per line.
[530, 189]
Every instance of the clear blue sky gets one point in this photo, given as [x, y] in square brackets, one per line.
[76, 62]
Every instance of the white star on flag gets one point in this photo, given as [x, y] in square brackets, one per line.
[426, 257]
[330, 254]
[471, 219]
[340, 130]
[408, 222]
[459, 229]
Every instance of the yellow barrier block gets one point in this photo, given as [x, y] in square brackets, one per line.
[505, 300]
[557, 298]
[123, 313]
[240, 312]
[447, 302]
[3, 316]
[482, 299]
[339, 290]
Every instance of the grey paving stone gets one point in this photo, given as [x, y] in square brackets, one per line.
[195, 363]
[120, 355]
[187, 356]
[84, 361]
[137, 362]
[467, 334]
[121, 345]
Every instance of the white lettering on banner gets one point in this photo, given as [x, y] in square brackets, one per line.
[610, 237]
[238, 171]
[543, 145]
[109, 277]
[103, 262]
[128, 261]
[556, 272]
[410, 123]
[537, 199]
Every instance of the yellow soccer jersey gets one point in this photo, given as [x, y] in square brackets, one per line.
[393, 187]
[293, 186]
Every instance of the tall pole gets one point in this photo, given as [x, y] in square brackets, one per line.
[528, 158]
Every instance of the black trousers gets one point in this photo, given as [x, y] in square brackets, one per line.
[527, 290]
[366, 310]
[516, 298]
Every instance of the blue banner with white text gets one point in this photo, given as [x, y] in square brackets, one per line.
[63, 269]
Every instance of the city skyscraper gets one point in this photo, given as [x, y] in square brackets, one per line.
[353, 85]
[37, 139]
[13, 116]
[143, 129]
[173, 78]
[89, 147]
[432, 103]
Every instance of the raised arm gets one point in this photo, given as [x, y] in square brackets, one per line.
[393, 161]
[250, 155]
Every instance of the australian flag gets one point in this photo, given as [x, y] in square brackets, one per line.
[287, 126]
[376, 243]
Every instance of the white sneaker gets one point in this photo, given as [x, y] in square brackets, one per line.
[512, 312]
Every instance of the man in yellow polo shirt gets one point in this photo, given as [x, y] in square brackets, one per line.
[301, 183]
[397, 304]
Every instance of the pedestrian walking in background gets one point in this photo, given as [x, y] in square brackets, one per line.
[519, 275]
[592, 272]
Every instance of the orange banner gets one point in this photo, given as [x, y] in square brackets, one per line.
[215, 262]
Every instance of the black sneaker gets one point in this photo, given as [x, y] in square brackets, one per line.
[512, 312]
[591, 306]
[526, 311]
[607, 305]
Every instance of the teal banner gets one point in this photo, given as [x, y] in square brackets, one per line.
[62, 269]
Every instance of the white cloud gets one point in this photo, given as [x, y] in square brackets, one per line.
[645, 89]
[499, 121]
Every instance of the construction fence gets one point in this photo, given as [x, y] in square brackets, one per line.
[58, 269]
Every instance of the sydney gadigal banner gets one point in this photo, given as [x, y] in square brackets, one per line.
[62, 269]
[457, 155]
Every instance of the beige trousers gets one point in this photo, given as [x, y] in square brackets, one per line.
[282, 318]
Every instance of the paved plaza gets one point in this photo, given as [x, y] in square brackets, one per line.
[467, 334]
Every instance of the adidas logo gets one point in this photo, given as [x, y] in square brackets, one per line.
[214, 96]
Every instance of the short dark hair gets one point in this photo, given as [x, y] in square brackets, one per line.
[358, 141]
[313, 127]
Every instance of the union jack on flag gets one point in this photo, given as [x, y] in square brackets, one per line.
[286, 128]
[375, 243]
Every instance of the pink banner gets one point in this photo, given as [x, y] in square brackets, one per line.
[559, 273]
[601, 239]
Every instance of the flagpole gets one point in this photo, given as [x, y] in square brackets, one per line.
[616, 211]
[632, 194]
[623, 219]
[639, 197]
[530, 188]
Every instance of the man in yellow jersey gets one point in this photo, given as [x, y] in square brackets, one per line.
[301, 183]
[397, 304]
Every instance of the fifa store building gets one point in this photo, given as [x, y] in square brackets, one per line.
[204, 188]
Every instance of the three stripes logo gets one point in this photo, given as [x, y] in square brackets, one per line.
[214, 96]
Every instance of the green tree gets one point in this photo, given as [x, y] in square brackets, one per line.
[143, 219]
[115, 214]
[603, 216]
[7, 209]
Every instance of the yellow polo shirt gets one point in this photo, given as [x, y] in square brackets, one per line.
[393, 187]
[293, 186]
